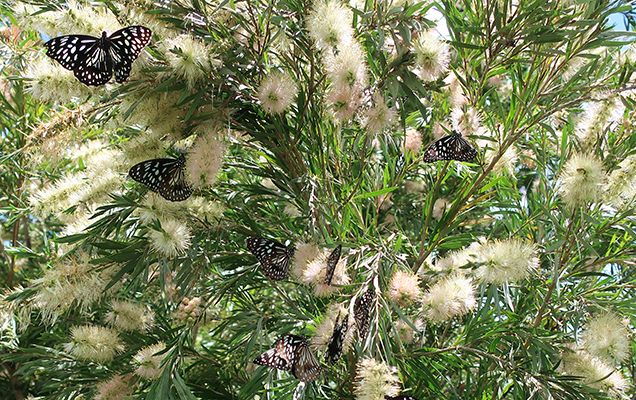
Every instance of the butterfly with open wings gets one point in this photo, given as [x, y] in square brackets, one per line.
[451, 147]
[93, 60]
[165, 176]
[292, 353]
[274, 256]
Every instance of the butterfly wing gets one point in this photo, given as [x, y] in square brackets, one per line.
[401, 397]
[451, 147]
[361, 313]
[334, 348]
[307, 368]
[332, 261]
[283, 354]
[165, 176]
[71, 50]
[271, 358]
[125, 46]
[273, 256]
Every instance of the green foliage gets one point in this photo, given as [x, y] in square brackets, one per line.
[530, 85]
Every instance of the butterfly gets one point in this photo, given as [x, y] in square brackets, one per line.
[334, 348]
[332, 261]
[451, 147]
[93, 60]
[401, 397]
[292, 352]
[165, 176]
[273, 256]
[361, 313]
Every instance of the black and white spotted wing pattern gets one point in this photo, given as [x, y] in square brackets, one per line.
[165, 176]
[283, 354]
[451, 147]
[306, 367]
[361, 313]
[334, 348]
[93, 60]
[273, 256]
[332, 261]
[401, 397]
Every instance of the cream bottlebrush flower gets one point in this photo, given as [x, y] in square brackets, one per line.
[412, 141]
[172, 240]
[458, 259]
[154, 110]
[119, 387]
[581, 180]
[378, 116]
[94, 343]
[68, 282]
[439, 208]
[57, 198]
[506, 261]
[450, 297]
[343, 102]
[348, 67]
[204, 160]
[432, 56]
[599, 116]
[593, 371]
[128, 317]
[406, 333]
[148, 363]
[455, 91]
[305, 253]
[277, 92]
[143, 146]
[404, 288]
[607, 338]
[375, 380]
[467, 120]
[621, 184]
[190, 58]
[506, 163]
[78, 18]
[329, 24]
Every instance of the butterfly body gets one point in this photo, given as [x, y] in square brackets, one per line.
[451, 147]
[292, 353]
[275, 257]
[332, 261]
[334, 348]
[93, 60]
[165, 176]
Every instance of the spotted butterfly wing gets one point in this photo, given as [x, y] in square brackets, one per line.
[361, 313]
[332, 261]
[306, 367]
[273, 256]
[282, 355]
[334, 348]
[451, 147]
[401, 397]
[165, 176]
[93, 60]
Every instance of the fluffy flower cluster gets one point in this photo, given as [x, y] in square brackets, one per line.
[432, 56]
[94, 343]
[188, 311]
[156, 208]
[119, 387]
[621, 183]
[412, 141]
[310, 268]
[597, 117]
[581, 180]
[506, 261]
[404, 288]
[277, 92]
[191, 59]
[375, 380]
[148, 363]
[607, 338]
[155, 111]
[49, 82]
[126, 316]
[594, 371]
[172, 240]
[71, 282]
[378, 116]
[329, 24]
[452, 296]
[204, 160]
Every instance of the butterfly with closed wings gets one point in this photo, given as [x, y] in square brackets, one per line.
[451, 147]
[334, 348]
[165, 176]
[292, 352]
[362, 313]
[332, 261]
[93, 60]
[274, 256]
